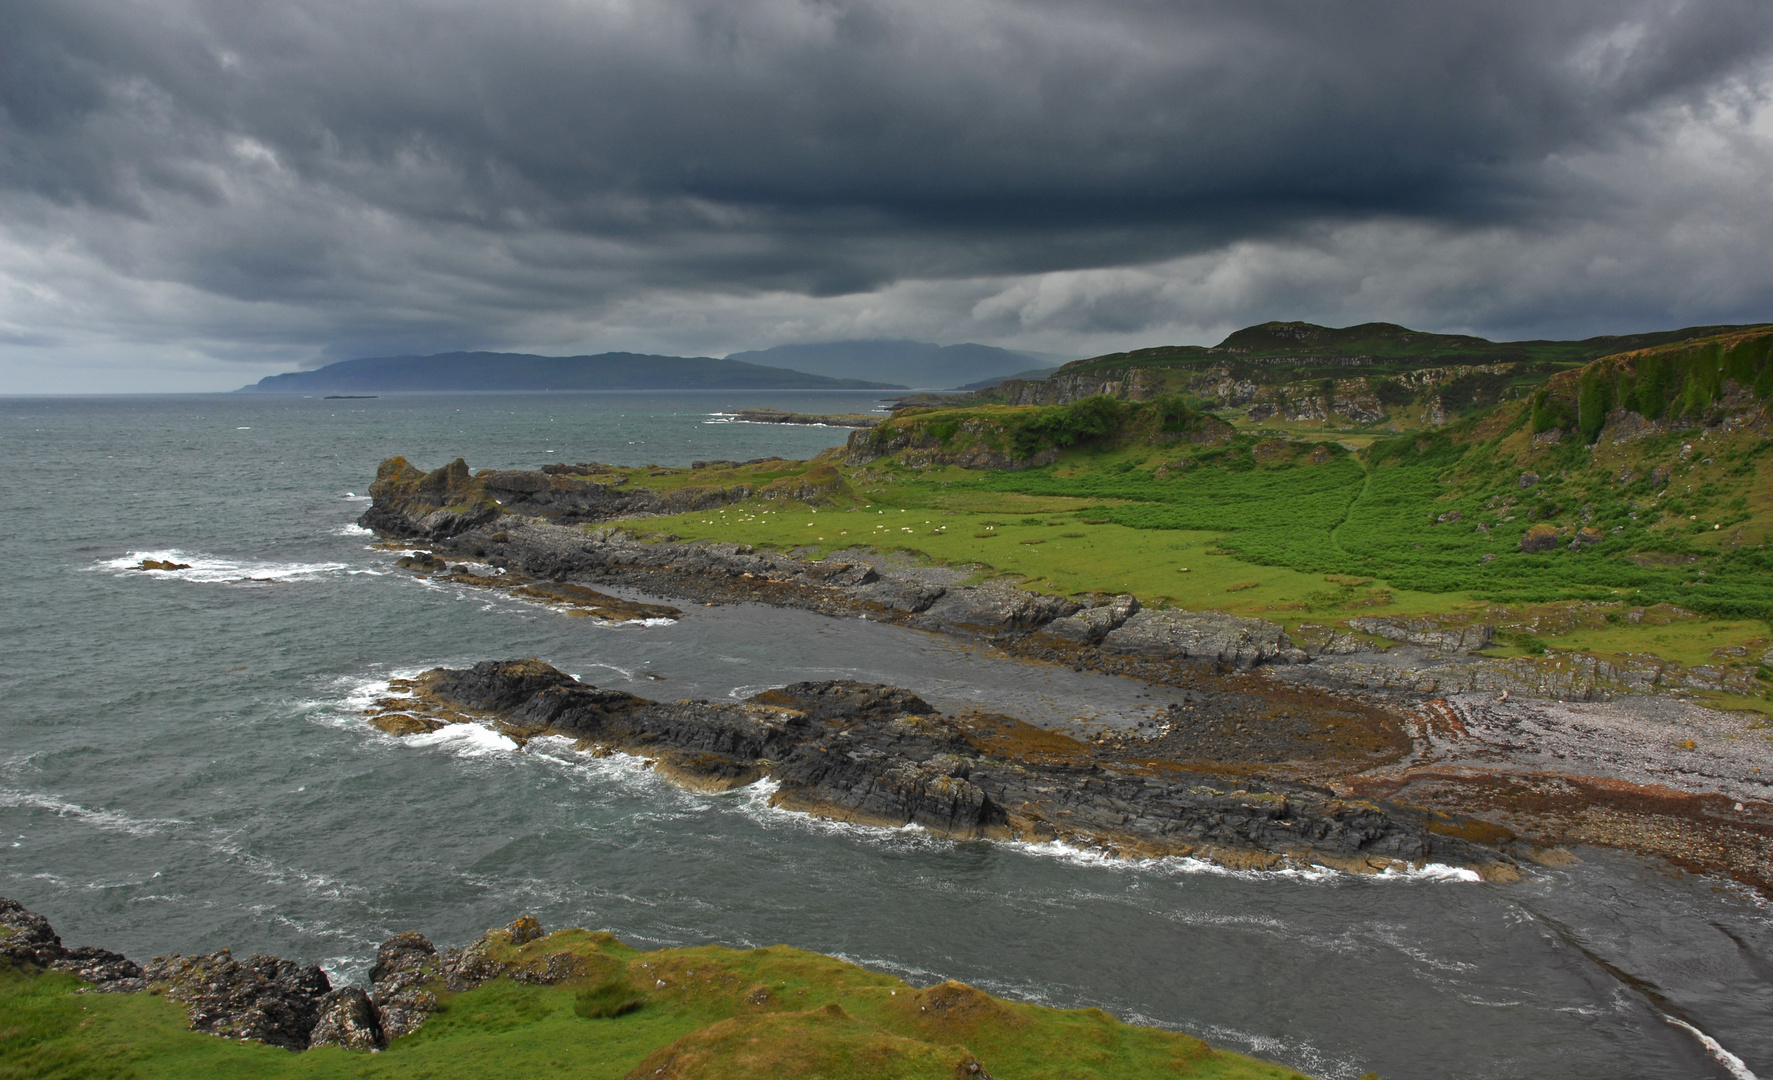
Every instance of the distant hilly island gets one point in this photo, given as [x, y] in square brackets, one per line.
[913, 363]
[490, 371]
[839, 365]
[1266, 353]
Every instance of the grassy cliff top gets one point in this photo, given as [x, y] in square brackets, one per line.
[709, 1013]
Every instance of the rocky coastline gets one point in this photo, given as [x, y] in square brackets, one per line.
[1356, 715]
[280, 1002]
[880, 755]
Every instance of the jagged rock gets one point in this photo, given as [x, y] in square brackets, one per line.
[423, 561]
[991, 610]
[265, 999]
[348, 1018]
[1428, 633]
[479, 962]
[1090, 626]
[27, 938]
[1203, 635]
[406, 965]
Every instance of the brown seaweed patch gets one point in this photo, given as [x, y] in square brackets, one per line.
[399, 723]
[161, 564]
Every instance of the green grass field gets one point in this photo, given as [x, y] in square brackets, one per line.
[709, 1013]
[1660, 542]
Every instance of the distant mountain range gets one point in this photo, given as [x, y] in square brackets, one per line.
[489, 371]
[912, 363]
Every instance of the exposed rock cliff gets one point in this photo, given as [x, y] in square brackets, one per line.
[450, 500]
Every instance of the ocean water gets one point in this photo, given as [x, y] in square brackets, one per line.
[184, 765]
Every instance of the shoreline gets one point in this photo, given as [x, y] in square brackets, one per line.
[1243, 673]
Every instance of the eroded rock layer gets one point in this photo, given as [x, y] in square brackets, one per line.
[881, 755]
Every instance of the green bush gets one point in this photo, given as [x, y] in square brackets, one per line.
[606, 1000]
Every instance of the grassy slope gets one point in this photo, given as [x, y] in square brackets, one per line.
[1307, 530]
[817, 1017]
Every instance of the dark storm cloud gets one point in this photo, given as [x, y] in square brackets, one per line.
[406, 172]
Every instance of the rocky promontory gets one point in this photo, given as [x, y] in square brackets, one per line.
[881, 755]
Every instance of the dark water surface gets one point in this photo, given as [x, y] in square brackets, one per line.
[182, 767]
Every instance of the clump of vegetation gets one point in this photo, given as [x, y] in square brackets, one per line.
[1676, 382]
[607, 999]
[1023, 432]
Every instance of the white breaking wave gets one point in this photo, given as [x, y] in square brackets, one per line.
[1735, 1065]
[468, 740]
[109, 820]
[1188, 864]
[351, 528]
[211, 569]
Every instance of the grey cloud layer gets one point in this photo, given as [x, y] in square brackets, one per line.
[321, 174]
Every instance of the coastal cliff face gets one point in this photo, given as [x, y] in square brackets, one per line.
[881, 755]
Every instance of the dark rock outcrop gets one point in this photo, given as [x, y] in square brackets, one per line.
[26, 938]
[281, 1003]
[348, 1018]
[445, 502]
[264, 999]
[881, 755]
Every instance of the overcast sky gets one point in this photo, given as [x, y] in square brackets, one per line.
[193, 195]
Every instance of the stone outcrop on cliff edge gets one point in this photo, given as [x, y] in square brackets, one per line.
[282, 1003]
[450, 500]
[27, 938]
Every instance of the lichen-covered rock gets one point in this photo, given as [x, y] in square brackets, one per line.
[264, 999]
[1540, 537]
[348, 1018]
[407, 967]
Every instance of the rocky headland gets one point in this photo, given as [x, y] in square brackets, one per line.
[1393, 708]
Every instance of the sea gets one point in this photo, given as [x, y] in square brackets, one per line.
[185, 765]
